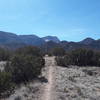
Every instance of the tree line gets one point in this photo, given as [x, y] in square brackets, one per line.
[79, 57]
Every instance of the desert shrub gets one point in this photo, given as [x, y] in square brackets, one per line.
[49, 54]
[26, 65]
[60, 61]
[64, 61]
[80, 57]
[18, 98]
[6, 86]
[57, 51]
[29, 50]
[24, 68]
[96, 59]
[4, 54]
[90, 72]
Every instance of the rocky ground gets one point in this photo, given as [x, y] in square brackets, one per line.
[60, 83]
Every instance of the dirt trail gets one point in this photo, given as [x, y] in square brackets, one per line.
[49, 87]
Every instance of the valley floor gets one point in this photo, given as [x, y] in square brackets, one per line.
[60, 83]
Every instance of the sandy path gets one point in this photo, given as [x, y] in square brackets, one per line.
[49, 88]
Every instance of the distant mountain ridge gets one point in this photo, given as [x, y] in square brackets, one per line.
[51, 38]
[31, 40]
[12, 40]
[87, 41]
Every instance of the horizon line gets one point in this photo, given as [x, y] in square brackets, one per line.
[49, 35]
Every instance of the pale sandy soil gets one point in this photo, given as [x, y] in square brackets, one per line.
[75, 83]
[50, 88]
[2, 64]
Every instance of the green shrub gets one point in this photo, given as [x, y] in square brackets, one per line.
[96, 59]
[4, 54]
[64, 61]
[29, 50]
[57, 51]
[6, 86]
[80, 57]
[18, 98]
[25, 68]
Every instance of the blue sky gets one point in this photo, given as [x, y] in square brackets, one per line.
[71, 20]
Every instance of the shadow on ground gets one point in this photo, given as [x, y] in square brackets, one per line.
[43, 80]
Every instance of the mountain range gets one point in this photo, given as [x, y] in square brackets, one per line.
[13, 41]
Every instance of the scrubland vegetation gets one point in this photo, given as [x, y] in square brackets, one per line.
[22, 65]
[4, 54]
[80, 57]
[57, 51]
[25, 64]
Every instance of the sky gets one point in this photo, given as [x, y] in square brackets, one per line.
[71, 20]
